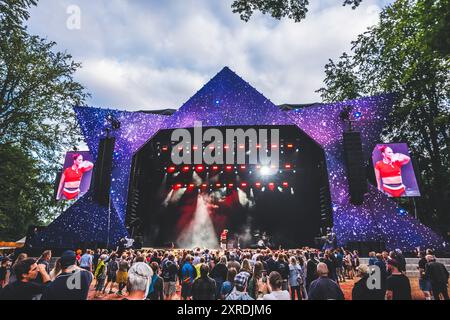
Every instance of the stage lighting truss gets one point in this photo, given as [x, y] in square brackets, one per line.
[231, 185]
[236, 169]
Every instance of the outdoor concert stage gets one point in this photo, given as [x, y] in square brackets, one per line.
[160, 203]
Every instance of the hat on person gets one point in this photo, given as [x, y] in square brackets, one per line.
[240, 280]
[68, 258]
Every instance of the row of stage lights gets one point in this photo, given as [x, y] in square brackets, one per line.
[243, 185]
[264, 170]
[226, 147]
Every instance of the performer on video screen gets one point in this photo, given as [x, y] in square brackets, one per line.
[223, 239]
[388, 172]
[69, 185]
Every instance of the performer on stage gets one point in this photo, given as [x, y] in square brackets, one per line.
[330, 240]
[69, 185]
[223, 239]
[388, 172]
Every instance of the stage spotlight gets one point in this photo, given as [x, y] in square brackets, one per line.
[215, 168]
[218, 185]
[242, 167]
[292, 191]
[258, 184]
[241, 146]
[191, 186]
[274, 146]
[204, 185]
[199, 168]
[230, 185]
[290, 145]
[177, 186]
[171, 169]
[228, 167]
[211, 147]
[165, 148]
[285, 184]
[186, 169]
[244, 185]
[357, 115]
[194, 148]
[226, 146]
[265, 171]
[258, 146]
[271, 186]
[288, 166]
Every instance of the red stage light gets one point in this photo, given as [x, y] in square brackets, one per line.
[194, 148]
[241, 146]
[180, 148]
[287, 166]
[258, 184]
[177, 186]
[186, 169]
[204, 185]
[230, 185]
[285, 184]
[229, 168]
[218, 185]
[215, 167]
[191, 186]
[271, 186]
[290, 145]
[243, 167]
[199, 168]
[244, 184]
[226, 147]
[274, 146]
[258, 146]
[171, 169]
[211, 147]
[165, 148]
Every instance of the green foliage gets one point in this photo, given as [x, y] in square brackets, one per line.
[292, 9]
[404, 53]
[37, 123]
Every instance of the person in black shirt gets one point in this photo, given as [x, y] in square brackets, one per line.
[424, 282]
[323, 288]
[438, 275]
[25, 288]
[204, 288]
[361, 291]
[44, 260]
[283, 270]
[72, 283]
[397, 284]
[311, 270]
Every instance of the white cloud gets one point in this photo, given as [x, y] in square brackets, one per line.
[156, 54]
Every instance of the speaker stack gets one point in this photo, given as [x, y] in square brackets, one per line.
[102, 171]
[356, 172]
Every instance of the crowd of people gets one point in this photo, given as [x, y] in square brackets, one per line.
[203, 274]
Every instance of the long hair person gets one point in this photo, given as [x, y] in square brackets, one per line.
[69, 185]
[388, 172]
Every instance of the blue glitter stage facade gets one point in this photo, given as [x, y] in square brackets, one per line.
[227, 100]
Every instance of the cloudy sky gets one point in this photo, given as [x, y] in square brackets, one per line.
[142, 55]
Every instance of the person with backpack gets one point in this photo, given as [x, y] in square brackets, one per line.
[155, 291]
[169, 275]
[112, 268]
[100, 275]
[188, 276]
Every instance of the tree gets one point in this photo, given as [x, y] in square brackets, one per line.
[404, 54]
[37, 92]
[293, 9]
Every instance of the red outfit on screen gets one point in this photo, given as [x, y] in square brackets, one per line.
[72, 176]
[393, 169]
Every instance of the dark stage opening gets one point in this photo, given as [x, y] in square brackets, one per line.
[189, 205]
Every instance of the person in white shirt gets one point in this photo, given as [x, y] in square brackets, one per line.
[276, 293]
